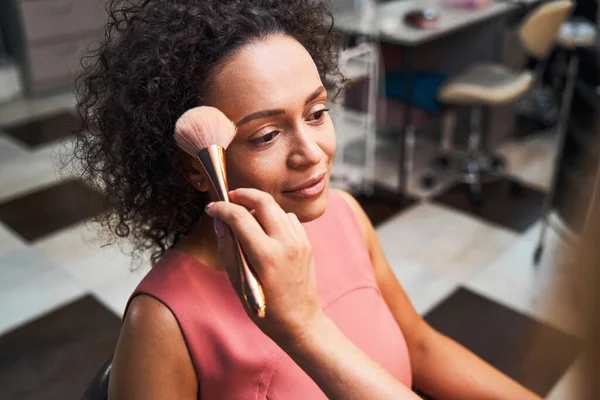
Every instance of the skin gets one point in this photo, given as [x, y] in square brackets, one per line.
[268, 157]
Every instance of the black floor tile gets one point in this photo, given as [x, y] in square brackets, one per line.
[50, 209]
[44, 130]
[383, 204]
[532, 353]
[511, 204]
[55, 356]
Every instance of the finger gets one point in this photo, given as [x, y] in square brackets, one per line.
[298, 227]
[243, 225]
[268, 213]
[295, 223]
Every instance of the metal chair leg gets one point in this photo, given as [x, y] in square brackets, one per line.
[562, 128]
[444, 158]
[448, 127]
[473, 167]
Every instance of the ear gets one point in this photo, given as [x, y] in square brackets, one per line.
[195, 174]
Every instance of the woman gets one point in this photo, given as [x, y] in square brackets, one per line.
[338, 324]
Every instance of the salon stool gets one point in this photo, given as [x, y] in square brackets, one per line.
[486, 85]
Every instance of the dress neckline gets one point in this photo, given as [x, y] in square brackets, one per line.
[202, 266]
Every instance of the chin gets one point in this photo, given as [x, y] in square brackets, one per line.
[308, 210]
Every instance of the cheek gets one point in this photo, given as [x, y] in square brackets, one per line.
[259, 170]
[327, 141]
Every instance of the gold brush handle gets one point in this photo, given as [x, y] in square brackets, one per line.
[212, 159]
[251, 287]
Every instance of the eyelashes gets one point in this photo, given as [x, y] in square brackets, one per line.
[317, 118]
[266, 138]
[319, 114]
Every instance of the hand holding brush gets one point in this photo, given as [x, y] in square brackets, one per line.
[278, 248]
[205, 133]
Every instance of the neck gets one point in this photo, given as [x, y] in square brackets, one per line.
[202, 244]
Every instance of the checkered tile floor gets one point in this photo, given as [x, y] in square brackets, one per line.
[467, 270]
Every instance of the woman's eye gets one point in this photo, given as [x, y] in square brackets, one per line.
[266, 138]
[317, 116]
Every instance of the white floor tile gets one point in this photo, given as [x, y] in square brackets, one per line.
[9, 241]
[30, 287]
[10, 148]
[531, 158]
[79, 252]
[25, 173]
[446, 241]
[425, 288]
[546, 291]
[116, 294]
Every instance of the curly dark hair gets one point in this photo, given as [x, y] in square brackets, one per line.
[154, 63]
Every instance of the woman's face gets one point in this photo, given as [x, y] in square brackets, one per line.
[285, 140]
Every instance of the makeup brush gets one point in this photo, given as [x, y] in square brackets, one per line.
[205, 133]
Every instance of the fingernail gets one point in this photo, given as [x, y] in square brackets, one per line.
[219, 227]
[209, 205]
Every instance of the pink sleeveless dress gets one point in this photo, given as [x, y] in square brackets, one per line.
[233, 359]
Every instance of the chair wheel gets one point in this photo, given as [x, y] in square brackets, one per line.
[443, 162]
[537, 255]
[498, 163]
[428, 181]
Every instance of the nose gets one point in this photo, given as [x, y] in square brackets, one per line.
[305, 151]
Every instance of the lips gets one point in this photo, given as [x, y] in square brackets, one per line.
[311, 187]
[310, 182]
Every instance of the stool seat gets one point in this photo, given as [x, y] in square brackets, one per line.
[486, 84]
[576, 33]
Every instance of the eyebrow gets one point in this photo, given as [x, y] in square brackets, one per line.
[270, 113]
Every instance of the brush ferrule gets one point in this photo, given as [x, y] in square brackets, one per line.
[212, 159]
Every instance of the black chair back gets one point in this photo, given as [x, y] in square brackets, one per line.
[98, 387]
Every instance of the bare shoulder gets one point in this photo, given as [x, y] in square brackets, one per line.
[151, 360]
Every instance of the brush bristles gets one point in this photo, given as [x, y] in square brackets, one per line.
[201, 127]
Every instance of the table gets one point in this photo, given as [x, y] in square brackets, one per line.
[387, 25]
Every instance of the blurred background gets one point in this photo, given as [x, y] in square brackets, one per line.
[468, 131]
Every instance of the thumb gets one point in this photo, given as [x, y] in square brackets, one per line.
[229, 254]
